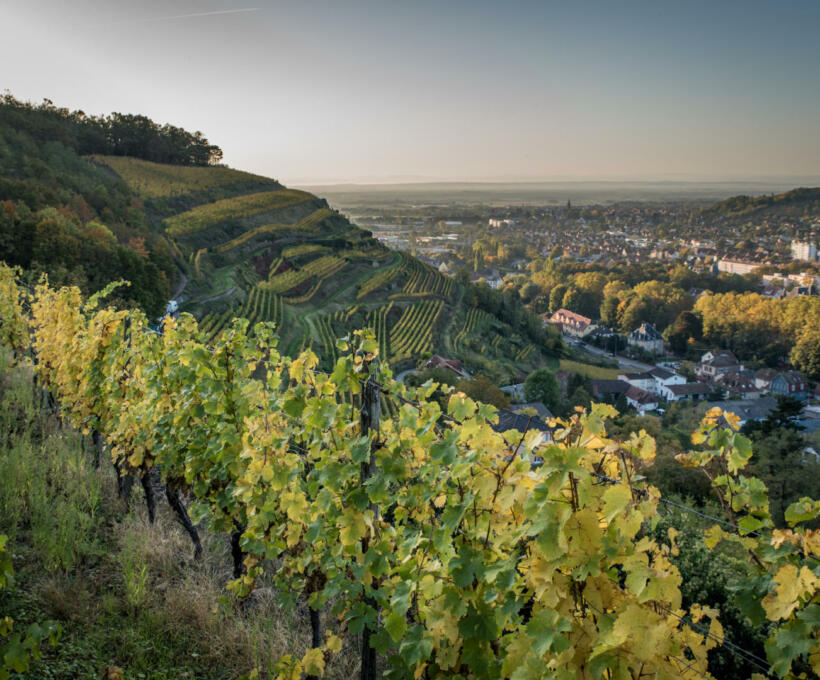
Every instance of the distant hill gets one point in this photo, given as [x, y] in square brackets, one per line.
[229, 243]
[795, 203]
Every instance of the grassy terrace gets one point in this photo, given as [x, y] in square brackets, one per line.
[588, 370]
[321, 268]
[210, 214]
[307, 224]
[157, 180]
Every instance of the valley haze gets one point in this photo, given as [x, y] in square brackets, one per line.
[581, 192]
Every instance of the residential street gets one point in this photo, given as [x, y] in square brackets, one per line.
[623, 362]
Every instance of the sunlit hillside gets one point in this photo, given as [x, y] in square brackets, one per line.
[252, 248]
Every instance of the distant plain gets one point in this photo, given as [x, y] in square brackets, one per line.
[356, 196]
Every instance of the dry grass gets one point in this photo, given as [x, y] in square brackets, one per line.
[186, 602]
[133, 596]
[188, 598]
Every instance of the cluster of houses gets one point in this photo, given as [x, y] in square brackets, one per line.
[645, 390]
[719, 374]
[722, 369]
[781, 286]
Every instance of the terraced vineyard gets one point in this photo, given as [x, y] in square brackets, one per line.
[525, 352]
[424, 280]
[476, 320]
[308, 224]
[157, 180]
[410, 336]
[261, 305]
[197, 259]
[210, 214]
[321, 268]
[343, 315]
[264, 252]
[378, 280]
[274, 267]
[327, 337]
[377, 320]
[413, 334]
[307, 296]
[211, 324]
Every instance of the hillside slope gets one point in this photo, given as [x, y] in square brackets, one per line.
[794, 203]
[253, 248]
[90, 200]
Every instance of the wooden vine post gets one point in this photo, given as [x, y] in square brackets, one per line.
[370, 417]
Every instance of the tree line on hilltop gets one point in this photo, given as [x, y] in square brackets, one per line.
[117, 134]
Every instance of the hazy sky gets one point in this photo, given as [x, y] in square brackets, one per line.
[375, 90]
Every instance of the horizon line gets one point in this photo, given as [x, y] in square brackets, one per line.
[797, 181]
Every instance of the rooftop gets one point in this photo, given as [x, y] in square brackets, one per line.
[510, 420]
[689, 389]
[640, 396]
[661, 373]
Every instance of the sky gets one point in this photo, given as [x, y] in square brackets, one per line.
[327, 91]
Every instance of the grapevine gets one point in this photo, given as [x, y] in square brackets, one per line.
[447, 547]
[210, 214]
[309, 223]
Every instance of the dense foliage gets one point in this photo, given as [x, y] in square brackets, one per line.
[18, 649]
[453, 548]
[756, 326]
[117, 134]
[695, 311]
[57, 243]
[507, 306]
[74, 219]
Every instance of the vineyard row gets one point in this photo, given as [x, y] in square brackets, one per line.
[449, 548]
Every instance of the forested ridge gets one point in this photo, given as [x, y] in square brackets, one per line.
[797, 202]
[74, 220]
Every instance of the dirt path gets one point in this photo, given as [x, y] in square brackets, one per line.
[217, 297]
